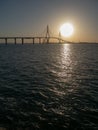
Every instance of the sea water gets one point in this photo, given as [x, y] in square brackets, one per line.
[49, 86]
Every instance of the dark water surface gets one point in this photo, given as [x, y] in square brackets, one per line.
[51, 86]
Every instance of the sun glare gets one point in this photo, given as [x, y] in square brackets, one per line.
[66, 29]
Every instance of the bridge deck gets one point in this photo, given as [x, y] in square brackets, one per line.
[47, 39]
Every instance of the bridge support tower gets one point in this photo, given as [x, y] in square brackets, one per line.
[47, 34]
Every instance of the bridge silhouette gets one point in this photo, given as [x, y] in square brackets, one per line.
[41, 39]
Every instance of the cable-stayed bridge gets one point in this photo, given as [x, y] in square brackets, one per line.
[47, 37]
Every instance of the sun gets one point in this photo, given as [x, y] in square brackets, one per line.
[66, 29]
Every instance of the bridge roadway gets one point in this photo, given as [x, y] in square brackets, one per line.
[40, 39]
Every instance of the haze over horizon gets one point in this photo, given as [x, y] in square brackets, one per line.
[28, 18]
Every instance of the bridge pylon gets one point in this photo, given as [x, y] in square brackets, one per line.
[59, 37]
[47, 34]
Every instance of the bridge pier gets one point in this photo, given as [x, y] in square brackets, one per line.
[47, 40]
[15, 41]
[33, 40]
[39, 40]
[22, 39]
[59, 40]
[6, 41]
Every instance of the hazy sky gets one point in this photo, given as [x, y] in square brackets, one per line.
[30, 17]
